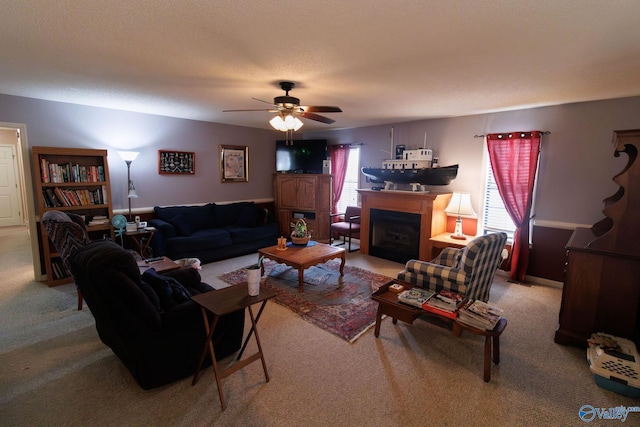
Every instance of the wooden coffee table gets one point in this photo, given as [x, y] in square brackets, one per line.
[303, 257]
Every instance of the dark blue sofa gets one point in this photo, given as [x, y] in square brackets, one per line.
[212, 232]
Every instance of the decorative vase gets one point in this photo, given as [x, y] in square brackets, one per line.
[253, 281]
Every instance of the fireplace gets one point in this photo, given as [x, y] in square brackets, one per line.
[400, 230]
[394, 235]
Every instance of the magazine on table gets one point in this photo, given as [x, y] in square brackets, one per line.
[446, 300]
[415, 296]
[439, 311]
[480, 315]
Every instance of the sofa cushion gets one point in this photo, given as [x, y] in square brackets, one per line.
[200, 240]
[248, 216]
[251, 234]
[184, 225]
[198, 217]
[228, 214]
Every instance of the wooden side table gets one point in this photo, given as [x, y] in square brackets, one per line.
[142, 239]
[444, 240]
[225, 301]
[490, 336]
[388, 304]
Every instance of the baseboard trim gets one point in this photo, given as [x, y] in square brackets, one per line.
[544, 282]
[534, 279]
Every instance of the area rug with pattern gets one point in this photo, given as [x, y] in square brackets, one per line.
[341, 305]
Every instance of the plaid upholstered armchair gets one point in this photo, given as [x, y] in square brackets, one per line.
[468, 271]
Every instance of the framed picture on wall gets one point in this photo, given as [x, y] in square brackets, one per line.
[182, 162]
[234, 163]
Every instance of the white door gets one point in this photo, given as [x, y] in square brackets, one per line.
[9, 200]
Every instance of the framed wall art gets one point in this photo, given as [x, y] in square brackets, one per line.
[181, 162]
[234, 163]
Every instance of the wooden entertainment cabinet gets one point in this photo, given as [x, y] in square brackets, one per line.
[601, 290]
[307, 196]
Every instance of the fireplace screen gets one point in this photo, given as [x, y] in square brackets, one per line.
[394, 235]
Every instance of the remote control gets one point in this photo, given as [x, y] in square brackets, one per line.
[148, 260]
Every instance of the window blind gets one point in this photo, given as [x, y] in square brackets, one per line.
[495, 214]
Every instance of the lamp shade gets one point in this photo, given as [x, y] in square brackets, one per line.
[460, 205]
[132, 193]
[128, 156]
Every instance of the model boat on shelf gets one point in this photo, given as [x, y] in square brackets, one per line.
[414, 167]
[425, 176]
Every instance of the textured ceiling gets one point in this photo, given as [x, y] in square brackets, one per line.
[381, 61]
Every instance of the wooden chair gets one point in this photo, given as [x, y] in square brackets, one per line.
[348, 225]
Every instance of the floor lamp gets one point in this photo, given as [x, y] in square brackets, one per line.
[129, 156]
[459, 206]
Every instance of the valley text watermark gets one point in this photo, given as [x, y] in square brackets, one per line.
[588, 413]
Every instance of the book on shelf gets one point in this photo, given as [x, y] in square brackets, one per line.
[415, 296]
[446, 300]
[99, 220]
[479, 314]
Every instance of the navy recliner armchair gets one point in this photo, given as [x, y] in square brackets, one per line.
[149, 320]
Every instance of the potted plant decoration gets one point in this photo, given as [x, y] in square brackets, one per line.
[300, 234]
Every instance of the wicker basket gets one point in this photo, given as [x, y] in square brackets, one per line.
[300, 240]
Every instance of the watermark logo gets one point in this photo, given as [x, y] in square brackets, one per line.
[588, 413]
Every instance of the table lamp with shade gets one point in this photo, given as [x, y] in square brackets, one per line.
[460, 206]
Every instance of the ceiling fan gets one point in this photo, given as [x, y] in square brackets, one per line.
[288, 108]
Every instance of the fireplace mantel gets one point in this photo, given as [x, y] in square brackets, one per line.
[429, 205]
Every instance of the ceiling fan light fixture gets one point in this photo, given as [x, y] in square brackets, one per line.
[297, 123]
[278, 123]
[286, 123]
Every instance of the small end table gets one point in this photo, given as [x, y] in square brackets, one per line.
[142, 238]
[224, 301]
[444, 240]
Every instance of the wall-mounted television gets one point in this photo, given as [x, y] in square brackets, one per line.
[301, 156]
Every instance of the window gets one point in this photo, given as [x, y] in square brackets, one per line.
[495, 215]
[349, 196]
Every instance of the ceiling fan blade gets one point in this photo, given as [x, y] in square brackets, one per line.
[316, 117]
[320, 109]
[268, 110]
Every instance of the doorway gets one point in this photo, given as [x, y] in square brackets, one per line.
[15, 136]
[11, 198]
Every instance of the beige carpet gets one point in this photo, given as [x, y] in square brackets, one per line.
[55, 371]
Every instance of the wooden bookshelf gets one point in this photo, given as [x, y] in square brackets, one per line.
[70, 180]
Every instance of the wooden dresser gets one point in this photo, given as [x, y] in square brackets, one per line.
[602, 281]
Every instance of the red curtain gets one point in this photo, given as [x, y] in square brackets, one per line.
[514, 160]
[339, 158]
